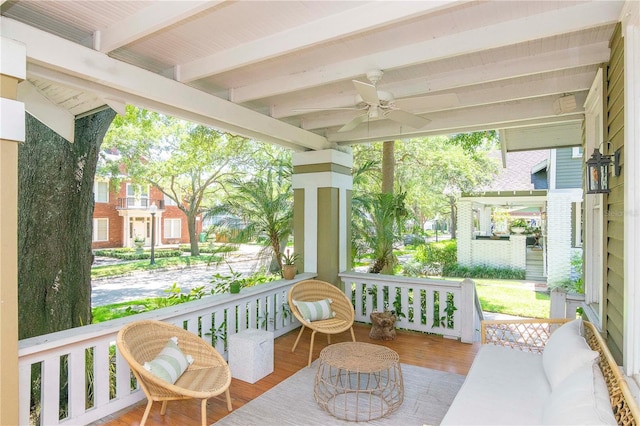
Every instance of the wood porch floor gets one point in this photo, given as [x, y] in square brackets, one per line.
[418, 349]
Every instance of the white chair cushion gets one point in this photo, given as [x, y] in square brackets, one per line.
[170, 363]
[315, 311]
[581, 399]
[565, 351]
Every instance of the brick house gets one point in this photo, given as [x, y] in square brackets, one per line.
[119, 216]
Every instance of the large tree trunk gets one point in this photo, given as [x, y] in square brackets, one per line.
[388, 166]
[193, 237]
[55, 209]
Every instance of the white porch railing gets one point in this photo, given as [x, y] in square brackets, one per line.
[85, 357]
[565, 305]
[423, 302]
[98, 380]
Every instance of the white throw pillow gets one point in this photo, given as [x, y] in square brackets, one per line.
[314, 311]
[170, 363]
[565, 351]
[581, 399]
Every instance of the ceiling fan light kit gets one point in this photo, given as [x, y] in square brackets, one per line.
[379, 102]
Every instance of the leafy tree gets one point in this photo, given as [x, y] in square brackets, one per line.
[433, 172]
[264, 202]
[189, 163]
[378, 221]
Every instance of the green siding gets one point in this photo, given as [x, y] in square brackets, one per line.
[614, 221]
[568, 169]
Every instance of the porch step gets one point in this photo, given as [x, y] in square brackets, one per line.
[535, 267]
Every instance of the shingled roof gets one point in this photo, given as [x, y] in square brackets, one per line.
[517, 174]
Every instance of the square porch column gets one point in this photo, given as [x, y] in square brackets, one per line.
[322, 186]
[558, 238]
[13, 66]
[465, 232]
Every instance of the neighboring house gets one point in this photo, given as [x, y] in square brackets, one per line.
[544, 188]
[119, 216]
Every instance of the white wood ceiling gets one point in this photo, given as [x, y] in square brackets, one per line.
[255, 67]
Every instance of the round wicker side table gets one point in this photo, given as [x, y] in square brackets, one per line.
[358, 381]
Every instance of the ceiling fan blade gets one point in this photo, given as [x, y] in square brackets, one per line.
[326, 109]
[367, 92]
[407, 118]
[428, 103]
[353, 123]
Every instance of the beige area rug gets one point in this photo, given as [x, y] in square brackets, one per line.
[427, 396]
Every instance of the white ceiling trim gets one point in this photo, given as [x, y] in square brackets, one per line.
[111, 95]
[59, 54]
[147, 21]
[517, 88]
[519, 30]
[353, 21]
[496, 116]
[56, 118]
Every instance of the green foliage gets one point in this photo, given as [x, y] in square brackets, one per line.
[144, 265]
[482, 271]
[210, 248]
[264, 202]
[131, 254]
[289, 258]
[424, 168]
[471, 141]
[377, 223]
[574, 284]
[174, 296]
[443, 253]
[519, 223]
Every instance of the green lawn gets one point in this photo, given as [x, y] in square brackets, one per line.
[512, 298]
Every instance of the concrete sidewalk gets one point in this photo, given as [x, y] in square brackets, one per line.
[154, 283]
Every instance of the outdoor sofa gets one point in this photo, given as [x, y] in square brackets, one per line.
[543, 372]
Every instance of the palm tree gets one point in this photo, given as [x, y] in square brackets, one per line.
[265, 205]
[378, 222]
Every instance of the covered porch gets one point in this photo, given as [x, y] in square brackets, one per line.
[528, 69]
[428, 351]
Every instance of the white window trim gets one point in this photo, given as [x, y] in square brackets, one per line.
[168, 221]
[631, 170]
[576, 152]
[594, 209]
[95, 229]
[96, 192]
[168, 201]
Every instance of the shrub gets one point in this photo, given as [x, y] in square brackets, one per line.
[130, 254]
[483, 271]
[208, 248]
[444, 253]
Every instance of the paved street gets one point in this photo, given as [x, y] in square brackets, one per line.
[153, 284]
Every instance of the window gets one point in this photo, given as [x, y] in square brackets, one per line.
[101, 229]
[101, 192]
[137, 195]
[169, 201]
[172, 228]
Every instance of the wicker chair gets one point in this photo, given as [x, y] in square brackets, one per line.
[314, 290]
[206, 377]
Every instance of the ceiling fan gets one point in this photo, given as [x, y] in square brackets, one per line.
[377, 103]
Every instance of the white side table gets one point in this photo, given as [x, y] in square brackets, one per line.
[251, 355]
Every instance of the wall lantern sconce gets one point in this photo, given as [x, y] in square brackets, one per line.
[598, 173]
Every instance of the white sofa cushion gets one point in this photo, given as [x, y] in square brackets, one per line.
[565, 351]
[504, 387]
[581, 399]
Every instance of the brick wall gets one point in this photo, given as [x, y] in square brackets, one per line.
[118, 225]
